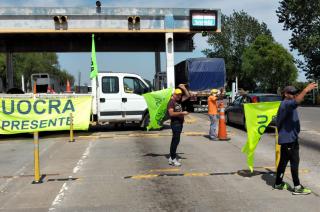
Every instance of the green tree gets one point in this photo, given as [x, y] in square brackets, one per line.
[302, 18]
[268, 64]
[238, 31]
[30, 63]
[2, 68]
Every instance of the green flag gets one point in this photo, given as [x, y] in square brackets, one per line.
[94, 66]
[258, 116]
[157, 105]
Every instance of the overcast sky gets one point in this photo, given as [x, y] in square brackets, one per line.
[143, 63]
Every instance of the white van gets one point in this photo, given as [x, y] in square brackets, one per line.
[118, 98]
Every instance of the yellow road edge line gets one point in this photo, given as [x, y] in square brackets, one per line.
[194, 133]
[88, 136]
[165, 134]
[164, 170]
[144, 176]
[143, 135]
[196, 174]
[106, 136]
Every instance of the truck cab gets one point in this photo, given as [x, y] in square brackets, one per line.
[119, 98]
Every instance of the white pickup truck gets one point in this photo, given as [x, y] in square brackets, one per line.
[117, 98]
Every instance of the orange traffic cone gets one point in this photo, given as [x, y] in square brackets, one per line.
[222, 134]
[34, 87]
[68, 90]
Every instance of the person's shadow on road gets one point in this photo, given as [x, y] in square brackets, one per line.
[268, 176]
[163, 155]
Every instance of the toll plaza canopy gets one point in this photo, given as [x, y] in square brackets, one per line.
[116, 29]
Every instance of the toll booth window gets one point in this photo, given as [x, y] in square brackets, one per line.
[110, 85]
[133, 85]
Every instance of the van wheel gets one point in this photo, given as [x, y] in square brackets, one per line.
[145, 122]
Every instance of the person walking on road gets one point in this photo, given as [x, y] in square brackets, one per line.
[213, 114]
[288, 125]
[177, 114]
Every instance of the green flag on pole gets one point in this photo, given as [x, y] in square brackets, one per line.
[258, 116]
[157, 102]
[94, 66]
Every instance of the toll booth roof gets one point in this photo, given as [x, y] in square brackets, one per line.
[69, 29]
[93, 11]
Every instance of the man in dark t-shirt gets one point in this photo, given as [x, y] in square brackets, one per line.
[288, 125]
[176, 114]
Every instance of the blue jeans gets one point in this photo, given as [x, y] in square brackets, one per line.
[176, 127]
[213, 126]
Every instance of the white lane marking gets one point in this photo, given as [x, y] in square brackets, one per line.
[57, 201]
[84, 156]
[59, 197]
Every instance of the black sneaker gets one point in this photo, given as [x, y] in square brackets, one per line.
[300, 190]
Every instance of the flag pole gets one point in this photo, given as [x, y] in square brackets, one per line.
[94, 76]
[277, 150]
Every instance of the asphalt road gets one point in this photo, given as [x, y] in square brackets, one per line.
[127, 170]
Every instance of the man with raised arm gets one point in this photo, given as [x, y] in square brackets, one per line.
[288, 125]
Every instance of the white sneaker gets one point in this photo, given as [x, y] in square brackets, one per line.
[174, 162]
[171, 161]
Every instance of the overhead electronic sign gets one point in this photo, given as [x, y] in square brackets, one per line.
[203, 20]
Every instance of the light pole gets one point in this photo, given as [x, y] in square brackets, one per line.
[317, 81]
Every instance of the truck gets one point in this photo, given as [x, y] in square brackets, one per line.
[200, 75]
[46, 82]
[117, 98]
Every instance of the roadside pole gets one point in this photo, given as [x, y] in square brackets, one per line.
[170, 60]
[233, 93]
[36, 159]
[36, 148]
[22, 83]
[237, 90]
[71, 129]
[313, 97]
